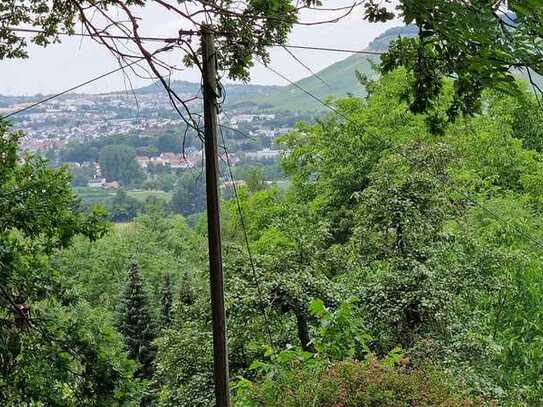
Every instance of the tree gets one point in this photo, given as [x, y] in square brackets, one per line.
[186, 294]
[47, 356]
[150, 151]
[286, 246]
[81, 175]
[79, 153]
[156, 205]
[330, 161]
[169, 142]
[118, 163]
[136, 324]
[166, 182]
[255, 179]
[400, 243]
[189, 195]
[166, 302]
[185, 367]
[479, 44]
[124, 208]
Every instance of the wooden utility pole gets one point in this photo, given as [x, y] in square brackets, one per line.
[220, 346]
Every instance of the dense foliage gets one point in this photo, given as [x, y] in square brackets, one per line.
[401, 267]
[479, 44]
[55, 349]
[332, 377]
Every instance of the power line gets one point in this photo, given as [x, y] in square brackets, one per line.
[295, 84]
[304, 65]
[343, 50]
[532, 239]
[107, 36]
[190, 32]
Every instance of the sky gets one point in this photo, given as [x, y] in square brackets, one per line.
[75, 60]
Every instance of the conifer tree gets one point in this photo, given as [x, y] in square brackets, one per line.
[166, 302]
[136, 323]
[186, 290]
[185, 298]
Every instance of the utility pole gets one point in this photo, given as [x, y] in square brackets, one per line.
[220, 346]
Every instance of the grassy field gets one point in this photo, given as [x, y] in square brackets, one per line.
[92, 195]
[143, 195]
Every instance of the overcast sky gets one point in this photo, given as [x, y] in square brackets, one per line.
[75, 60]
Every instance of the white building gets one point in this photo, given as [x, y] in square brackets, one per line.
[97, 182]
[264, 154]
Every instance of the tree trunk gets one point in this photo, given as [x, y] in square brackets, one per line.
[303, 332]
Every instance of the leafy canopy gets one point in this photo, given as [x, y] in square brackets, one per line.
[55, 349]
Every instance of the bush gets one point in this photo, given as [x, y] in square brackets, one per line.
[184, 367]
[344, 372]
[352, 383]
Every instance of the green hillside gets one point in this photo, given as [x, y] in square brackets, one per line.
[337, 80]
[340, 79]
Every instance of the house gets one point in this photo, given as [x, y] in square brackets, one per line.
[180, 162]
[236, 183]
[175, 161]
[143, 161]
[282, 131]
[265, 133]
[97, 182]
[111, 185]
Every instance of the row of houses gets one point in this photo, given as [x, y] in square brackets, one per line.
[264, 154]
[174, 161]
[41, 145]
[192, 160]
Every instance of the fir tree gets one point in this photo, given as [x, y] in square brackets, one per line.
[166, 302]
[186, 290]
[136, 324]
[185, 298]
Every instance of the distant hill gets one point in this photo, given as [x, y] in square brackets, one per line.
[232, 90]
[382, 42]
[336, 80]
[6, 101]
[340, 78]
